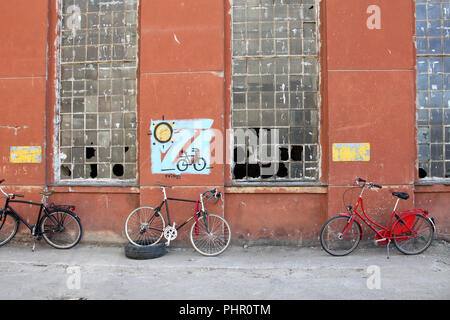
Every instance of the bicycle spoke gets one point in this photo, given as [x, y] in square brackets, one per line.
[144, 226]
[339, 237]
[417, 239]
[61, 229]
[8, 228]
[211, 240]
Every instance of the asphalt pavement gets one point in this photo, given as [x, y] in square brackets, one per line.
[92, 272]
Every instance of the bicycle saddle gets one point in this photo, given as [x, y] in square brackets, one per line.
[401, 195]
[47, 193]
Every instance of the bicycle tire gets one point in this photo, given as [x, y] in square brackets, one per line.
[9, 225]
[333, 242]
[136, 228]
[145, 252]
[201, 164]
[417, 241]
[61, 229]
[204, 242]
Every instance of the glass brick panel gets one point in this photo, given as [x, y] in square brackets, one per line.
[275, 88]
[99, 43]
[433, 89]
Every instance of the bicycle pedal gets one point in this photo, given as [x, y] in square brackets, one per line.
[377, 241]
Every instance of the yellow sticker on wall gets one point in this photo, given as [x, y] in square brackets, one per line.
[26, 154]
[351, 152]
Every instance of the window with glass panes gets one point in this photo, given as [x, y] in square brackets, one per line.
[98, 89]
[433, 87]
[275, 88]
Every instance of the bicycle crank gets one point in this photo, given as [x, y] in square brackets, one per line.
[170, 233]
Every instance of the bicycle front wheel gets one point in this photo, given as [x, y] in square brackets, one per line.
[415, 240]
[8, 227]
[144, 226]
[338, 237]
[210, 235]
[61, 229]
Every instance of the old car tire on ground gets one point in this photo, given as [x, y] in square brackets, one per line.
[145, 252]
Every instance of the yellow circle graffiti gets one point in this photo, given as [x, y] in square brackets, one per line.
[163, 132]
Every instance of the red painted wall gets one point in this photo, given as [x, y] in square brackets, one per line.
[367, 95]
[22, 85]
[371, 98]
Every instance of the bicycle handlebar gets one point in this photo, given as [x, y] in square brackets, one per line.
[369, 184]
[209, 194]
[11, 195]
[212, 193]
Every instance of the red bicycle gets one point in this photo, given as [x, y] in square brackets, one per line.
[411, 231]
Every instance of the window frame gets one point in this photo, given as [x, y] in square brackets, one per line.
[57, 116]
[317, 181]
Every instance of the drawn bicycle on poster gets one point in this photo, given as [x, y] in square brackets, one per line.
[194, 159]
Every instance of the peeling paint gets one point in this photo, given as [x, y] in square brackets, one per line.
[176, 39]
[15, 128]
[351, 152]
[26, 154]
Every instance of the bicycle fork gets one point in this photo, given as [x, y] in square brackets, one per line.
[205, 215]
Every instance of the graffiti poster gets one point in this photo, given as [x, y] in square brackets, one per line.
[181, 146]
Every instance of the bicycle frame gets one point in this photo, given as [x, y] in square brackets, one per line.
[166, 203]
[384, 233]
[42, 212]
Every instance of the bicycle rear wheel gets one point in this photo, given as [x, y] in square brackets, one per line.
[338, 237]
[144, 226]
[61, 229]
[200, 165]
[8, 227]
[418, 239]
[210, 235]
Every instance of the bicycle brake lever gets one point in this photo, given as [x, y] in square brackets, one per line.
[218, 196]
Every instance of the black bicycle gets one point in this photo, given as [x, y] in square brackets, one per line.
[58, 225]
[210, 233]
